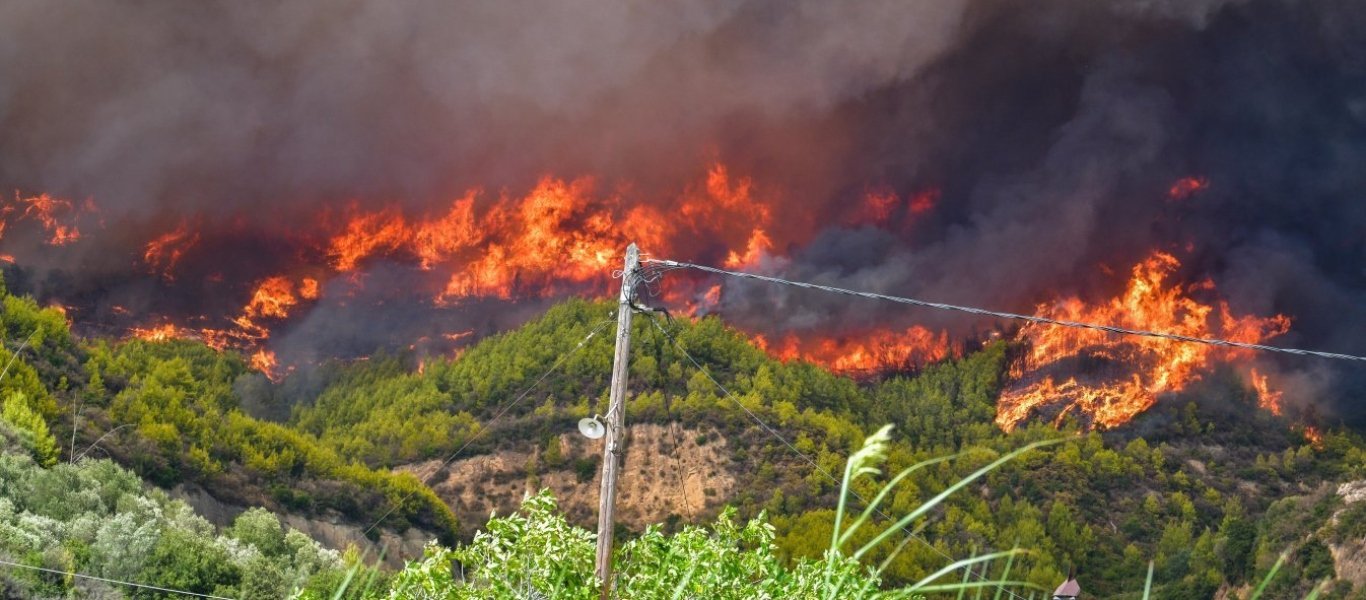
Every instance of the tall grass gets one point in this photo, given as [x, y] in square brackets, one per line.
[865, 463]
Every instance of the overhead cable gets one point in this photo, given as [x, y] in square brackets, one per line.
[113, 581]
[502, 410]
[1008, 315]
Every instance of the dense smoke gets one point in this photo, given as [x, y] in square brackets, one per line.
[1051, 131]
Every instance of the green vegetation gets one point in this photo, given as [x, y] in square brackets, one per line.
[30, 428]
[95, 518]
[538, 554]
[1190, 493]
[188, 427]
[169, 411]
[1204, 486]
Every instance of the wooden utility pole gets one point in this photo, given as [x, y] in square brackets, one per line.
[616, 417]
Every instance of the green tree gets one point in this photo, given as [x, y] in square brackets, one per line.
[260, 528]
[189, 561]
[32, 428]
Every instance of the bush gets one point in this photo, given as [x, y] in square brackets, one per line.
[94, 517]
[32, 429]
[536, 553]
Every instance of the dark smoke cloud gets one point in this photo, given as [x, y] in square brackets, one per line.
[151, 105]
[1053, 130]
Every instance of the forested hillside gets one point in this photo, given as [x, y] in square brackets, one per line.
[1205, 485]
[1190, 492]
[169, 411]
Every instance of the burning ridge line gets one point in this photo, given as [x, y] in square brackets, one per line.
[672, 264]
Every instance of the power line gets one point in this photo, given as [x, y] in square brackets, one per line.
[16, 353]
[1009, 315]
[679, 472]
[114, 581]
[773, 432]
[502, 411]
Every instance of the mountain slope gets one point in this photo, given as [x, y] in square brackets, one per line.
[172, 413]
[1180, 484]
[1188, 484]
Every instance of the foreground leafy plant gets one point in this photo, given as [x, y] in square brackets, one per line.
[95, 519]
[537, 554]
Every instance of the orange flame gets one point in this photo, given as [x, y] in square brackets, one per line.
[162, 253]
[878, 351]
[1267, 398]
[554, 234]
[49, 212]
[1314, 436]
[724, 198]
[309, 288]
[388, 232]
[458, 335]
[264, 361]
[161, 333]
[563, 234]
[712, 297]
[558, 233]
[366, 235]
[1147, 366]
[756, 249]
[273, 298]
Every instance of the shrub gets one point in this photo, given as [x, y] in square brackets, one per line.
[32, 429]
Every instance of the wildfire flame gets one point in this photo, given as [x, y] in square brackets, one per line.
[264, 361]
[162, 333]
[876, 351]
[273, 299]
[1267, 398]
[165, 251]
[1147, 367]
[560, 236]
[559, 233]
[759, 245]
[566, 235]
[1314, 436]
[56, 216]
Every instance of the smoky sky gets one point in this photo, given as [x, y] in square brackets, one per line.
[1052, 130]
[151, 104]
